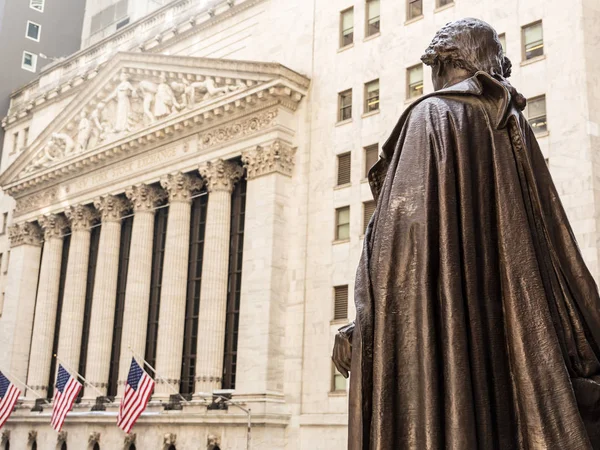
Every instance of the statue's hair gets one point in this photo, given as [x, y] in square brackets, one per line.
[472, 45]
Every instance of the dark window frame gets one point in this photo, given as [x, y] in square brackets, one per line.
[533, 120]
[338, 224]
[192, 308]
[115, 354]
[367, 152]
[409, 9]
[409, 85]
[346, 39]
[372, 25]
[342, 113]
[161, 218]
[341, 176]
[524, 44]
[369, 96]
[234, 285]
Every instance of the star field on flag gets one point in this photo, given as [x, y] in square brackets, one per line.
[9, 394]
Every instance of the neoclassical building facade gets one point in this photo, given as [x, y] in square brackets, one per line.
[191, 191]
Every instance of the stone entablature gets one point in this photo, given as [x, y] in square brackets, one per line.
[241, 99]
[166, 26]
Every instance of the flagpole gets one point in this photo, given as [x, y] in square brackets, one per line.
[26, 386]
[157, 375]
[87, 383]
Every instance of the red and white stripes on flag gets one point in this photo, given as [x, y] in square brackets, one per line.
[138, 390]
[67, 390]
[9, 394]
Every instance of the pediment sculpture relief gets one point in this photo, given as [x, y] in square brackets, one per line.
[134, 103]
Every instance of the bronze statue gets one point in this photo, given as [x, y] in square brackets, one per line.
[478, 323]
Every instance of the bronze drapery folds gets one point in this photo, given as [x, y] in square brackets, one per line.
[478, 322]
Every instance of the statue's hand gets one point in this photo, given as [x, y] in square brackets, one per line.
[342, 350]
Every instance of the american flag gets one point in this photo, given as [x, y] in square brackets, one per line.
[67, 389]
[9, 394]
[137, 393]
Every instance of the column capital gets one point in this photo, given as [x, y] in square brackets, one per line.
[220, 175]
[276, 158]
[144, 197]
[111, 207]
[25, 233]
[82, 217]
[53, 225]
[181, 186]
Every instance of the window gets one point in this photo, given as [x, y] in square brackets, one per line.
[502, 39]
[123, 23]
[345, 105]
[29, 61]
[344, 169]
[441, 3]
[371, 157]
[347, 27]
[340, 302]
[158, 255]
[338, 382]
[33, 31]
[4, 222]
[25, 136]
[125, 247]
[536, 114]
[342, 223]
[37, 5]
[7, 261]
[368, 210]
[415, 9]
[89, 292]
[415, 81]
[108, 16]
[15, 146]
[533, 41]
[192, 308]
[373, 18]
[372, 96]
[61, 295]
[234, 294]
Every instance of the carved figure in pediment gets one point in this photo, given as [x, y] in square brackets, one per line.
[179, 91]
[165, 102]
[148, 90]
[59, 146]
[84, 132]
[122, 94]
[208, 88]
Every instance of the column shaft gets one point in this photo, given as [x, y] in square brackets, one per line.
[23, 272]
[44, 323]
[169, 348]
[105, 295]
[220, 178]
[139, 276]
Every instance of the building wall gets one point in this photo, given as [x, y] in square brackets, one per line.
[305, 37]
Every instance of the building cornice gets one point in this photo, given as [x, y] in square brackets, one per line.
[84, 64]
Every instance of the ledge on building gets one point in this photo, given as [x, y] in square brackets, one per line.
[341, 241]
[338, 393]
[414, 19]
[444, 8]
[410, 101]
[372, 113]
[542, 135]
[343, 122]
[373, 36]
[533, 60]
[339, 187]
[346, 47]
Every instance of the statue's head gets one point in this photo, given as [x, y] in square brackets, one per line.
[464, 47]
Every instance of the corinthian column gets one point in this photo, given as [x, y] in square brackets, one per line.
[169, 347]
[71, 324]
[220, 178]
[105, 293]
[19, 303]
[46, 304]
[137, 294]
[264, 288]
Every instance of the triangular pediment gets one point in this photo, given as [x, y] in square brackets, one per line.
[136, 92]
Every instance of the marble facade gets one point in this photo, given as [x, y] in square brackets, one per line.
[195, 96]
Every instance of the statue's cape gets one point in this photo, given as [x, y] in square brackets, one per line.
[477, 320]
